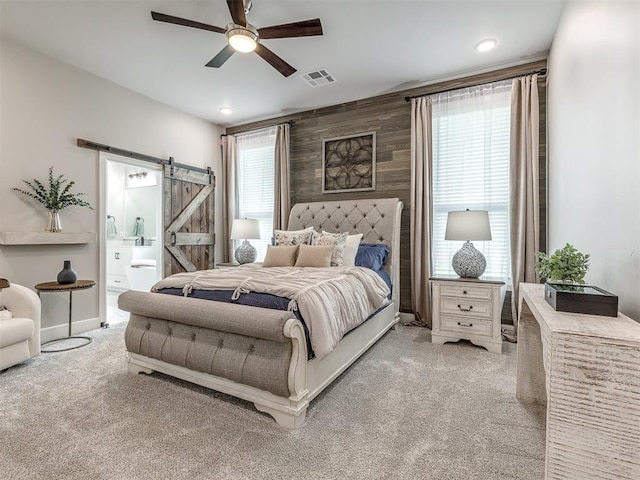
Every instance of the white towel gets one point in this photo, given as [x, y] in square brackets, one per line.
[112, 231]
[138, 230]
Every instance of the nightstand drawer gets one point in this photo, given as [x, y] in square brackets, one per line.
[466, 310]
[465, 326]
[470, 291]
[466, 307]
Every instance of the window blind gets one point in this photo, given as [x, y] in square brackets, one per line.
[255, 183]
[471, 170]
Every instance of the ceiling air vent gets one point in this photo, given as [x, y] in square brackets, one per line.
[318, 78]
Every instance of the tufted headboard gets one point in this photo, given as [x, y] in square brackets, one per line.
[377, 219]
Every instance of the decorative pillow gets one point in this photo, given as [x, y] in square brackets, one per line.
[371, 255]
[351, 249]
[283, 256]
[293, 237]
[338, 241]
[314, 256]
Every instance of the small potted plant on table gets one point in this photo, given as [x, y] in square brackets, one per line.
[566, 265]
[565, 291]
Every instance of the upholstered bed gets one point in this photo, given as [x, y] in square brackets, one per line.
[260, 354]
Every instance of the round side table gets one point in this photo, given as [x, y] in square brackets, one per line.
[68, 287]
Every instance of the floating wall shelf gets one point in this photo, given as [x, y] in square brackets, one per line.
[46, 238]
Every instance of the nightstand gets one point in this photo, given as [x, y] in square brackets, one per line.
[467, 308]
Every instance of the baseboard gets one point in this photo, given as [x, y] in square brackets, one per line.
[61, 331]
[407, 318]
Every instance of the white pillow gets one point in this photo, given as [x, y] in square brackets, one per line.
[351, 249]
[337, 240]
[293, 237]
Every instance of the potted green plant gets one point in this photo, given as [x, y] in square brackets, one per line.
[565, 265]
[56, 197]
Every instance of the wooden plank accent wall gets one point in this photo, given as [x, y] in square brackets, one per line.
[542, 165]
[390, 116]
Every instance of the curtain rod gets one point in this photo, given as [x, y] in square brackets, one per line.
[290, 122]
[138, 156]
[541, 72]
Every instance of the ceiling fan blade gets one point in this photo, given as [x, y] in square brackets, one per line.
[161, 17]
[274, 60]
[236, 8]
[305, 28]
[221, 57]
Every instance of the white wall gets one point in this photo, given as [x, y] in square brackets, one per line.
[45, 107]
[594, 143]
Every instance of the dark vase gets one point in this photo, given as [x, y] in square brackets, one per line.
[67, 274]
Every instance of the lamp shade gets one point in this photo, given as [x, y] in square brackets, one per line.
[245, 228]
[468, 225]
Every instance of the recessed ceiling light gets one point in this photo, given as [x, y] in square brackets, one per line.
[226, 110]
[486, 45]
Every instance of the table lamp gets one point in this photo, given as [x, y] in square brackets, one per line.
[468, 225]
[245, 228]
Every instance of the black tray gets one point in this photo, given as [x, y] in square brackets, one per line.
[581, 299]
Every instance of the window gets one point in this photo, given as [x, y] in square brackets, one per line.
[471, 170]
[255, 183]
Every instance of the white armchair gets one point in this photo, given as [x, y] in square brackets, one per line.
[19, 335]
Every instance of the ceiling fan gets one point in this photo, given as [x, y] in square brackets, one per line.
[244, 37]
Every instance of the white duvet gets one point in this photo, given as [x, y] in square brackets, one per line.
[332, 300]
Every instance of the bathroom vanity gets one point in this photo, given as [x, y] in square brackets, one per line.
[120, 254]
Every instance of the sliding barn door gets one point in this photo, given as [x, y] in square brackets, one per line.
[188, 220]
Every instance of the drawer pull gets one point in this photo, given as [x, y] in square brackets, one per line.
[465, 309]
[464, 292]
[465, 324]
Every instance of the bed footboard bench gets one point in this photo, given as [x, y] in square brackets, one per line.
[253, 353]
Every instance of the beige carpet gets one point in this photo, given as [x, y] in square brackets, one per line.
[406, 410]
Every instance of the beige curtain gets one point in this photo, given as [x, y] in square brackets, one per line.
[524, 184]
[421, 201]
[229, 193]
[281, 204]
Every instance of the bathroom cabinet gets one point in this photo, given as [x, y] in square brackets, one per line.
[120, 253]
[118, 258]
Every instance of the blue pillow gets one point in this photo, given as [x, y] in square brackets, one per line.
[371, 255]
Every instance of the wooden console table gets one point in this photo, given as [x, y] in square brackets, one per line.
[586, 368]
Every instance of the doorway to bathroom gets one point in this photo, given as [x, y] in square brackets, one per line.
[132, 234]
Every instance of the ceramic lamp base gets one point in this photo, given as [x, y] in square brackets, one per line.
[469, 262]
[246, 253]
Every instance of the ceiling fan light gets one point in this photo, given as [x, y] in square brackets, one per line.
[486, 44]
[242, 39]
